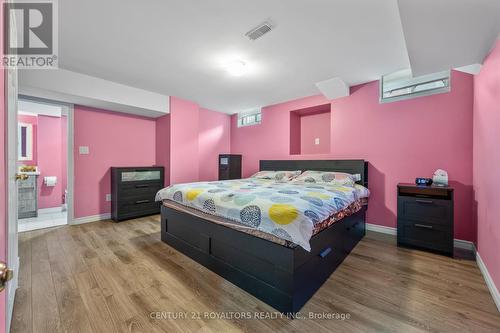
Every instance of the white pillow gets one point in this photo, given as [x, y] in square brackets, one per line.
[277, 175]
[330, 177]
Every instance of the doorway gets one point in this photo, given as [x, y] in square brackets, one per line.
[42, 163]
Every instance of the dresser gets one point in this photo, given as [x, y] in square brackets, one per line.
[27, 197]
[133, 191]
[229, 166]
[425, 217]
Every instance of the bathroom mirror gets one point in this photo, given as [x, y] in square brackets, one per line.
[25, 142]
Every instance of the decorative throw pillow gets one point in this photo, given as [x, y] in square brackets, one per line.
[277, 175]
[337, 178]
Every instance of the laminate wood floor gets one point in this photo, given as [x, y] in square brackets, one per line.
[119, 277]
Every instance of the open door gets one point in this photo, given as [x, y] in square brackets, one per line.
[8, 272]
[12, 263]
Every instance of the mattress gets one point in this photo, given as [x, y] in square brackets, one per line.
[291, 211]
[318, 227]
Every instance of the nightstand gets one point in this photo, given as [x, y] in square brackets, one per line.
[425, 217]
[229, 166]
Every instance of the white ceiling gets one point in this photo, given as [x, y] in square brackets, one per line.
[174, 47]
[178, 48]
[444, 34]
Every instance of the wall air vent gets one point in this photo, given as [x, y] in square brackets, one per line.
[259, 31]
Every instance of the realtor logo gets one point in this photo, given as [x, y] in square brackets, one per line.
[31, 41]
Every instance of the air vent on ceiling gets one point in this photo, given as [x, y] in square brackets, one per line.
[259, 31]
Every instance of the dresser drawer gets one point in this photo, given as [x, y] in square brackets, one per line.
[145, 190]
[142, 206]
[425, 235]
[429, 210]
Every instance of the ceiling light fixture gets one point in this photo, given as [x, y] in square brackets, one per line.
[236, 68]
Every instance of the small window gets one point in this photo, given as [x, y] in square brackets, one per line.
[400, 85]
[248, 119]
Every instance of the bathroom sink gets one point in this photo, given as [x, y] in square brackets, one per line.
[29, 173]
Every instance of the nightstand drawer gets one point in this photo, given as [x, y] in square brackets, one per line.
[426, 235]
[429, 210]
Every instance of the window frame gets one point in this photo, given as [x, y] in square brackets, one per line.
[243, 117]
[415, 83]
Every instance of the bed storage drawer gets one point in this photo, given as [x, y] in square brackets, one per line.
[133, 191]
[354, 231]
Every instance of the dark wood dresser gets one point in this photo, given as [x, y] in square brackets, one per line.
[229, 166]
[133, 191]
[425, 217]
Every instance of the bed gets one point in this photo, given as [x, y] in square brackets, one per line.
[281, 274]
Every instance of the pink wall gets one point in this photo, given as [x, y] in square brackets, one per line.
[386, 135]
[48, 137]
[114, 139]
[315, 126]
[214, 139]
[163, 145]
[184, 124]
[33, 120]
[49, 161]
[189, 140]
[295, 130]
[487, 162]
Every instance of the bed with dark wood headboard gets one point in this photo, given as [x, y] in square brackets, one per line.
[281, 276]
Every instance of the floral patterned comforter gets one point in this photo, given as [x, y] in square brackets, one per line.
[288, 210]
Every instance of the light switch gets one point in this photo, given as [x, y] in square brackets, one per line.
[84, 150]
[108, 197]
[316, 141]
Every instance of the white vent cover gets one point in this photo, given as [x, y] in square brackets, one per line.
[259, 31]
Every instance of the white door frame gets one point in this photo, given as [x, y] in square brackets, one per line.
[68, 111]
[11, 145]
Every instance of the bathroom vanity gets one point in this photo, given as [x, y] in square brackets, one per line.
[27, 198]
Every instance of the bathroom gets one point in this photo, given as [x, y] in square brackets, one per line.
[42, 163]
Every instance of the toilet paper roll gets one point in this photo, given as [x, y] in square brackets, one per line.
[50, 181]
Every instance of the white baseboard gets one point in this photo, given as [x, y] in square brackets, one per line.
[92, 218]
[463, 244]
[489, 281]
[381, 229]
[459, 243]
[35, 224]
[50, 210]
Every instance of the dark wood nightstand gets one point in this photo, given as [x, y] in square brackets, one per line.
[425, 217]
[229, 166]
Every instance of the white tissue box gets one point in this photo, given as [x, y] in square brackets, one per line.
[440, 180]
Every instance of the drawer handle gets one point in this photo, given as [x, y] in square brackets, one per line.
[141, 186]
[325, 252]
[424, 201]
[425, 226]
[141, 201]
